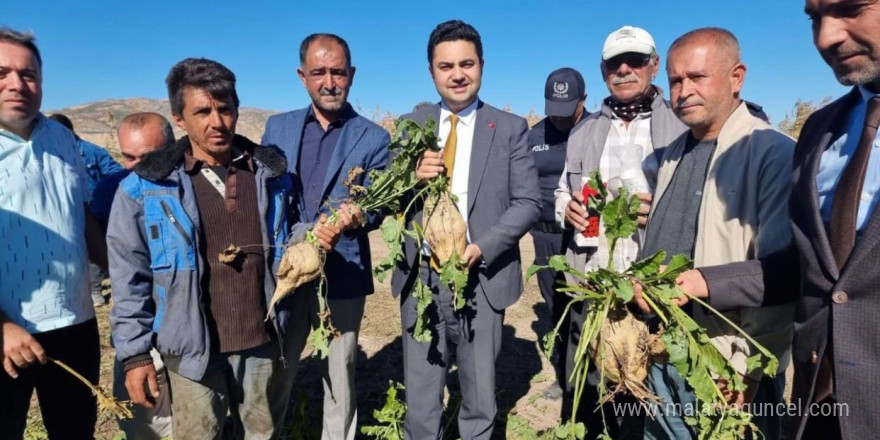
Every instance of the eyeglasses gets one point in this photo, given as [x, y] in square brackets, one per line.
[633, 60]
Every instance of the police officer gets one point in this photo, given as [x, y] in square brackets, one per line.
[564, 95]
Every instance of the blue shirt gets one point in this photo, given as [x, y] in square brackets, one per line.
[103, 194]
[44, 270]
[315, 153]
[834, 161]
[98, 163]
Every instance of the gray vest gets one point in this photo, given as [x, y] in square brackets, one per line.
[587, 142]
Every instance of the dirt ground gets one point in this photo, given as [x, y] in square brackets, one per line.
[522, 372]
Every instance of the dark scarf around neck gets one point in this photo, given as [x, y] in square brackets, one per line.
[629, 111]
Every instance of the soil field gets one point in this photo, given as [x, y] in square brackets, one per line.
[523, 373]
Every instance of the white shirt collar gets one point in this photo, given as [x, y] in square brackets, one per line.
[466, 116]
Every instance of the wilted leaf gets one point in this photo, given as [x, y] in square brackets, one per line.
[228, 255]
[353, 174]
[549, 343]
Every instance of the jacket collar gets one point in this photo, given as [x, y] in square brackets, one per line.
[734, 126]
[347, 113]
[159, 164]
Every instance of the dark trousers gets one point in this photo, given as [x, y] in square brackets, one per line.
[472, 336]
[96, 279]
[69, 410]
[547, 244]
[821, 427]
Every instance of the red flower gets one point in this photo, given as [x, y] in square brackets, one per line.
[592, 226]
[589, 192]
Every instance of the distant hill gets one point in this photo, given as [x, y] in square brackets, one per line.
[96, 121]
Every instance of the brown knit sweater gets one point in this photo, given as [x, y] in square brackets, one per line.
[232, 293]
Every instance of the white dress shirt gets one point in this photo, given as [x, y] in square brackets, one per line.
[467, 119]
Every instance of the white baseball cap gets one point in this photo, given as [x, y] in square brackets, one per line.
[627, 39]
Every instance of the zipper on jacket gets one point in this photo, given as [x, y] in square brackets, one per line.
[176, 223]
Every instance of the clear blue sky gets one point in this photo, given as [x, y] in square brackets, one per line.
[95, 50]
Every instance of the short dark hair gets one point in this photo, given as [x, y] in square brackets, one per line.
[63, 120]
[200, 73]
[453, 30]
[23, 39]
[307, 41]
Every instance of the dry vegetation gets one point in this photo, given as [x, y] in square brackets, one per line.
[794, 121]
[523, 374]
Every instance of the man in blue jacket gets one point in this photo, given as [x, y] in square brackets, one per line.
[99, 165]
[170, 221]
[322, 143]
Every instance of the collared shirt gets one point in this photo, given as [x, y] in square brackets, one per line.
[834, 160]
[637, 132]
[315, 153]
[467, 119]
[43, 255]
[242, 160]
[464, 140]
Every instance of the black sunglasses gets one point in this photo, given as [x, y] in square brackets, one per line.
[633, 60]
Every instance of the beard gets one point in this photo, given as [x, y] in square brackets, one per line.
[333, 105]
[865, 72]
[858, 77]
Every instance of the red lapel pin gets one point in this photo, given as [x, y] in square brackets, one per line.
[491, 124]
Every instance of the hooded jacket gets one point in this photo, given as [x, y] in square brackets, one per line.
[155, 266]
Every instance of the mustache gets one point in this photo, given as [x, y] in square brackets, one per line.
[688, 102]
[333, 91]
[632, 77]
[848, 49]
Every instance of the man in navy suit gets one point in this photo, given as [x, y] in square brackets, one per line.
[494, 179]
[323, 142]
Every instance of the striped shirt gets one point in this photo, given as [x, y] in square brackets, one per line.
[44, 271]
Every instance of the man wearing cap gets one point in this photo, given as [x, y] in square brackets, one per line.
[636, 119]
[564, 95]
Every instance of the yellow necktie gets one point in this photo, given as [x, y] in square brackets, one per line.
[449, 148]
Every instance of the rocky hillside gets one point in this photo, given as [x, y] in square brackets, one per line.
[96, 121]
